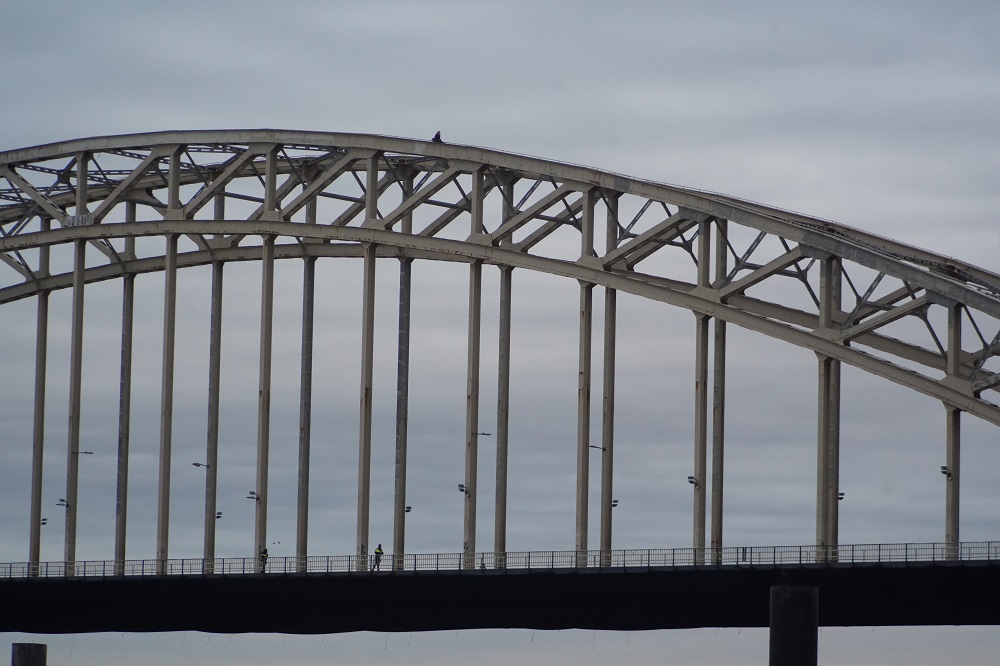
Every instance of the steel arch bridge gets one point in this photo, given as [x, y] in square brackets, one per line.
[920, 320]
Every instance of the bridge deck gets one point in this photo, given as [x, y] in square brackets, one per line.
[616, 598]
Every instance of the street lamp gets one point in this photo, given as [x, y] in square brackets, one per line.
[254, 496]
[63, 503]
[201, 464]
[462, 488]
[694, 482]
[408, 508]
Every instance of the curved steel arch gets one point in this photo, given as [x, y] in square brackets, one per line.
[369, 196]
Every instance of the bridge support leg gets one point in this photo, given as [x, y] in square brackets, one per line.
[264, 394]
[166, 402]
[472, 416]
[828, 421]
[608, 423]
[583, 423]
[402, 391]
[953, 437]
[608, 412]
[953, 480]
[719, 396]
[305, 410]
[38, 434]
[583, 387]
[794, 626]
[700, 434]
[212, 443]
[28, 654]
[124, 405]
[503, 395]
[367, 363]
[75, 377]
[503, 417]
[718, 437]
[365, 429]
[699, 479]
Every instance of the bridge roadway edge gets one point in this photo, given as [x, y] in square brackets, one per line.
[941, 593]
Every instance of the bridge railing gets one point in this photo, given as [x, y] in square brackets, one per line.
[535, 560]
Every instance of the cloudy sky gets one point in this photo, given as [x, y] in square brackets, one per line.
[878, 115]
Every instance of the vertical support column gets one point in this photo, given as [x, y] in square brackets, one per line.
[794, 622]
[75, 378]
[305, 399]
[214, 397]
[472, 380]
[701, 396]
[212, 443]
[503, 393]
[503, 418]
[608, 410]
[719, 395]
[76, 370]
[953, 443]
[402, 389]
[472, 414]
[28, 654]
[166, 401]
[38, 433]
[124, 401]
[264, 394]
[828, 419]
[367, 362]
[583, 387]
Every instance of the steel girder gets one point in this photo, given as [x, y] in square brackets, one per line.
[892, 323]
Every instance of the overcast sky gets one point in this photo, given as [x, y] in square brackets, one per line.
[879, 115]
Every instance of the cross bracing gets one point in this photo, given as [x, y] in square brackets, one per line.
[924, 321]
[174, 176]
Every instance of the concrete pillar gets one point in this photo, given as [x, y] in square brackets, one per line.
[38, 433]
[583, 421]
[367, 363]
[828, 419]
[212, 443]
[124, 403]
[794, 626]
[402, 388]
[365, 427]
[719, 396]
[503, 391]
[583, 385]
[700, 476]
[166, 401]
[75, 381]
[503, 417]
[28, 654]
[305, 411]
[264, 393]
[953, 444]
[608, 403]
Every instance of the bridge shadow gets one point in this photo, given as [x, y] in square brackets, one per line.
[885, 594]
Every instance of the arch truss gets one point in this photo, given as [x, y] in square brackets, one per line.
[923, 321]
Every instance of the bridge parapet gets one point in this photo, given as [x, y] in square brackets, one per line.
[740, 556]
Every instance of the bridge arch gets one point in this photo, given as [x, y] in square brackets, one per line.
[266, 195]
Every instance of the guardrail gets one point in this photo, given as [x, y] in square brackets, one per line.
[535, 560]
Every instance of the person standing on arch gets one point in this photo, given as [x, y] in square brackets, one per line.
[377, 562]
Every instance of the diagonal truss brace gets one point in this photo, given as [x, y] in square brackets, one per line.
[916, 306]
[774, 266]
